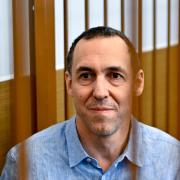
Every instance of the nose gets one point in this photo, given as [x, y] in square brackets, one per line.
[100, 89]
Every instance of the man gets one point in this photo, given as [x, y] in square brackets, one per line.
[103, 140]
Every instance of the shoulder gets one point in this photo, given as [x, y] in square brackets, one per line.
[42, 149]
[156, 136]
[43, 141]
[160, 152]
[159, 148]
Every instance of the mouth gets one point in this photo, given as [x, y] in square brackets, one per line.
[101, 109]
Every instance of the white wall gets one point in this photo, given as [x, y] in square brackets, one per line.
[59, 34]
[6, 40]
[96, 14]
[76, 23]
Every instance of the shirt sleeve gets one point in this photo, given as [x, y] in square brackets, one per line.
[10, 168]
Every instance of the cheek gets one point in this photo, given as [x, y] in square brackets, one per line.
[81, 94]
[123, 96]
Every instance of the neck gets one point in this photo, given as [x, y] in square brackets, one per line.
[105, 149]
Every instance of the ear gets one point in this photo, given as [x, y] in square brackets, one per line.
[68, 79]
[139, 83]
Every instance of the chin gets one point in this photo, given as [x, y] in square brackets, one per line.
[103, 132]
[103, 128]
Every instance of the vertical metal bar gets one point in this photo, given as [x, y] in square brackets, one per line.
[122, 15]
[105, 13]
[134, 14]
[168, 63]
[65, 27]
[86, 14]
[140, 41]
[135, 34]
[153, 63]
[65, 51]
[32, 66]
[179, 77]
[21, 94]
[140, 27]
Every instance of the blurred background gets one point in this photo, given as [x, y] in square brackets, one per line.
[35, 36]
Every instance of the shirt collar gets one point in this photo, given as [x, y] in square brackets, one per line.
[134, 150]
[76, 152]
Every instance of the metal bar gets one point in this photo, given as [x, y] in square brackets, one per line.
[65, 51]
[168, 63]
[32, 66]
[179, 78]
[45, 63]
[154, 63]
[22, 92]
[122, 15]
[86, 14]
[105, 13]
[140, 27]
[139, 42]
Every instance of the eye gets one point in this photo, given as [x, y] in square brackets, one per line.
[116, 76]
[86, 78]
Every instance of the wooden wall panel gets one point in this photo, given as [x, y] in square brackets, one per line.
[165, 86]
[5, 117]
[160, 110]
[173, 92]
[60, 95]
[146, 100]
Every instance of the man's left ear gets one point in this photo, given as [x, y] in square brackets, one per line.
[139, 82]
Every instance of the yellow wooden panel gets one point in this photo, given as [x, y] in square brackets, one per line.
[160, 107]
[5, 115]
[60, 95]
[146, 100]
[173, 92]
[70, 110]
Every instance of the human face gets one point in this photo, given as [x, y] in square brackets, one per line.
[101, 85]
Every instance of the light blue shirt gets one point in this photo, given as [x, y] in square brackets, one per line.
[57, 154]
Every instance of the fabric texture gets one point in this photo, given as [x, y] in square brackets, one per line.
[56, 153]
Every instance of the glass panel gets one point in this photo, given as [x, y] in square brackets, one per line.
[114, 11]
[174, 22]
[131, 20]
[59, 34]
[6, 41]
[147, 25]
[96, 13]
[161, 23]
[76, 19]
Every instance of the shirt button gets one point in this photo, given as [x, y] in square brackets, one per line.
[88, 160]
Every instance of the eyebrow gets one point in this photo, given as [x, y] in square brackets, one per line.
[83, 68]
[111, 68]
[117, 69]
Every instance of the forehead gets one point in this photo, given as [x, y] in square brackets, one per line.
[113, 45]
[101, 51]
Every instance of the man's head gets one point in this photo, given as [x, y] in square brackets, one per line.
[102, 76]
[105, 32]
